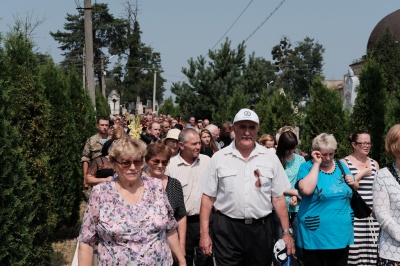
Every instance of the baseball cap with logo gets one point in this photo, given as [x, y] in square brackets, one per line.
[246, 115]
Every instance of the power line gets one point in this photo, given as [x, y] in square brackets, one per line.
[232, 24]
[265, 20]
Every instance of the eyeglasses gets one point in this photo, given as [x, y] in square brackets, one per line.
[328, 154]
[157, 162]
[127, 164]
[364, 144]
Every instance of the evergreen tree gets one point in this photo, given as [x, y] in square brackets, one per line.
[370, 106]
[275, 112]
[386, 52]
[238, 101]
[168, 108]
[324, 114]
[211, 84]
[107, 32]
[298, 66]
[28, 113]
[15, 186]
[62, 146]
[102, 107]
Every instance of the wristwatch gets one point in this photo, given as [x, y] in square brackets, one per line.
[290, 231]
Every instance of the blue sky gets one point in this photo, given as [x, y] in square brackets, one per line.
[181, 29]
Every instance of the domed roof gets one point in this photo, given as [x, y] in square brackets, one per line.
[391, 21]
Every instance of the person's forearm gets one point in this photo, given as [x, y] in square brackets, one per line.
[205, 212]
[291, 192]
[85, 254]
[173, 242]
[307, 184]
[182, 225]
[279, 204]
[91, 180]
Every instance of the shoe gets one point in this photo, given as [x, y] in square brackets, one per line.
[280, 251]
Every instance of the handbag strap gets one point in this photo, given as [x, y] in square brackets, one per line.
[339, 163]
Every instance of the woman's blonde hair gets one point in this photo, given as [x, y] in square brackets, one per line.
[324, 141]
[392, 142]
[264, 138]
[125, 149]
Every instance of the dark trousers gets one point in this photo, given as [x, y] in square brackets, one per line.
[330, 257]
[237, 243]
[193, 250]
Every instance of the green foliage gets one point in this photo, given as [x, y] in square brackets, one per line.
[370, 106]
[298, 66]
[212, 84]
[275, 112]
[28, 113]
[15, 187]
[324, 114]
[386, 52]
[168, 108]
[102, 107]
[63, 148]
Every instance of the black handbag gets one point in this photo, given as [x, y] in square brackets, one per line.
[360, 208]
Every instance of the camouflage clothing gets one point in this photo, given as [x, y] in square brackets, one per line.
[92, 148]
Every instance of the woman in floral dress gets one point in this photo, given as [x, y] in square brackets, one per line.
[130, 218]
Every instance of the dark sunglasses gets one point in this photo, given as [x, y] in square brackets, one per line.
[157, 162]
[127, 164]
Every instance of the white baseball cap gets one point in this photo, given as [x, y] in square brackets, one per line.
[246, 115]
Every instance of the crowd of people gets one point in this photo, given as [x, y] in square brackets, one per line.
[198, 193]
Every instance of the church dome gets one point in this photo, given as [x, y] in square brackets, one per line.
[391, 21]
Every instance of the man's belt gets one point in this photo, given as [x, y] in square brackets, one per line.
[246, 220]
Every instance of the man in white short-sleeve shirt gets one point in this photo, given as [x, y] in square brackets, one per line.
[244, 182]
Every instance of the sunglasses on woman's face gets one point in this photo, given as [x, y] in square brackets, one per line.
[157, 162]
[127, 164]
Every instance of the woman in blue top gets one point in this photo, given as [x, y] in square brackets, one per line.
[291, 163]
[325, 215]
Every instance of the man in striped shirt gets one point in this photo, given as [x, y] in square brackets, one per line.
[188, 167]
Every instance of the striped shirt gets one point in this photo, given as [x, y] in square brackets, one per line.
[364, 251]
[189, 175]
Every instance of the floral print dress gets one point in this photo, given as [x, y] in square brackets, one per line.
[126, 234]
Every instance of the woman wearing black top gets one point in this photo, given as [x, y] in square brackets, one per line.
[100, 169]
[157, 159]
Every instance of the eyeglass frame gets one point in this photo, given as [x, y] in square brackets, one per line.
[157, 162]
[364, 144]
[137, 163]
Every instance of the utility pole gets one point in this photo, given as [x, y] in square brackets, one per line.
[103, 73]
[89, 51]
[154, 91]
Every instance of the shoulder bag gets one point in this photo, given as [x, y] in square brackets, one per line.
[360, 208]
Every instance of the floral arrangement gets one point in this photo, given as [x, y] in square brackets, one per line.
[135, 128]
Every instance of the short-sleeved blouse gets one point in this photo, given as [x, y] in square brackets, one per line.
[325, 217]
[126, 234]
[175, 197]
[101, 167]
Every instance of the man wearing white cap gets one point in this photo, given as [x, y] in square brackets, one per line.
[244, 182]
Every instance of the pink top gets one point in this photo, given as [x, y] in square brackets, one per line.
[129, 234]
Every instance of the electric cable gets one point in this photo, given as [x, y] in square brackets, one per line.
[265, 20]
[232, 24]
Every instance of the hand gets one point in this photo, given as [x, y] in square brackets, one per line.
[290, 247]
[293, 201]
[366, 171]
[206, 244]
[317, 157]
[350, 180]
